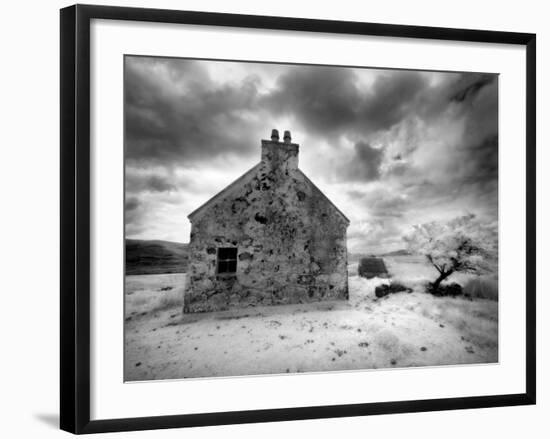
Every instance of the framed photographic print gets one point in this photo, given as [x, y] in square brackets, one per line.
[305, 218]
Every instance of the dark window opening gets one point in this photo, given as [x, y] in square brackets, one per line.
[227, 260]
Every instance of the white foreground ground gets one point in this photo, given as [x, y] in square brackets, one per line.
[400, 330]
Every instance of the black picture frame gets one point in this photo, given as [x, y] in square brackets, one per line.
[75, 217]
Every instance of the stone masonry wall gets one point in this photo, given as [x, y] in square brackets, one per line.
[291, 241]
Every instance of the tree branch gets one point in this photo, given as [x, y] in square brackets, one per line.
[437, 267]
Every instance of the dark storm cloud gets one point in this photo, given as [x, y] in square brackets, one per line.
[131, 204]
[454, 91]
[148, 183]
[175, 114]
[398, 168]
[457, 171]
[132, 211]
[393, 97]
[399, 143]
[365, 163]
[471, 162]
[329, 101]
[477, 103]
[469, 85]
[482, 170]
[323, 99]
[159, 184]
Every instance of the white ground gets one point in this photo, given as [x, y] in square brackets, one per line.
[400, 330]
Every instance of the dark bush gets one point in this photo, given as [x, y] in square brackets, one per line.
[384, 290]
[444, 290]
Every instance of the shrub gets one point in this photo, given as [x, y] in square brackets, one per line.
[452, 289]
[384, 290]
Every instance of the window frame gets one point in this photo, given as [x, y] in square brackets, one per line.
[226, 261]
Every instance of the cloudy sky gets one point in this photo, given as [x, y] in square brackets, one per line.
[390, 148]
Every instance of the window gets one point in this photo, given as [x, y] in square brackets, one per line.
[227, 260]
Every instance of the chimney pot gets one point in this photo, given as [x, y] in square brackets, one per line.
[275, 135]
[287, 137]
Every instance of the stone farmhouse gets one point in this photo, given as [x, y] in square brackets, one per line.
[271, 237]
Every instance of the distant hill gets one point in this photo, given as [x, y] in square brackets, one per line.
[156, 257]
[401, 252]
[356, 257]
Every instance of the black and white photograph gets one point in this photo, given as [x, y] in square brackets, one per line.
[295, 218]
[275, 220]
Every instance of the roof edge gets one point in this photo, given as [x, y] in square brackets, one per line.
[244, 178]
[224, 191]
[325, 197]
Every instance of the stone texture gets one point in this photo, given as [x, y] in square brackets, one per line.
[290, 239]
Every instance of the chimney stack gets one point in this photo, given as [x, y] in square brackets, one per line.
[287, 137]
[279, 156]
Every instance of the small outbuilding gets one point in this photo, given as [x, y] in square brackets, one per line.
[371, 266]
[270, 237]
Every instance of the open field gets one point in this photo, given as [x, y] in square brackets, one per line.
[400, 330]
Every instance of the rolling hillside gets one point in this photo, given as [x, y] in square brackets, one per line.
[356, 257]
[155, 257]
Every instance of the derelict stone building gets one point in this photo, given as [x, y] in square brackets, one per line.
[271, 237]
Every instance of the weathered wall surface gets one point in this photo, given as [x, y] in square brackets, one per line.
[291, 241]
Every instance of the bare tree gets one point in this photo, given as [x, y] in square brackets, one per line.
[463, 244]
